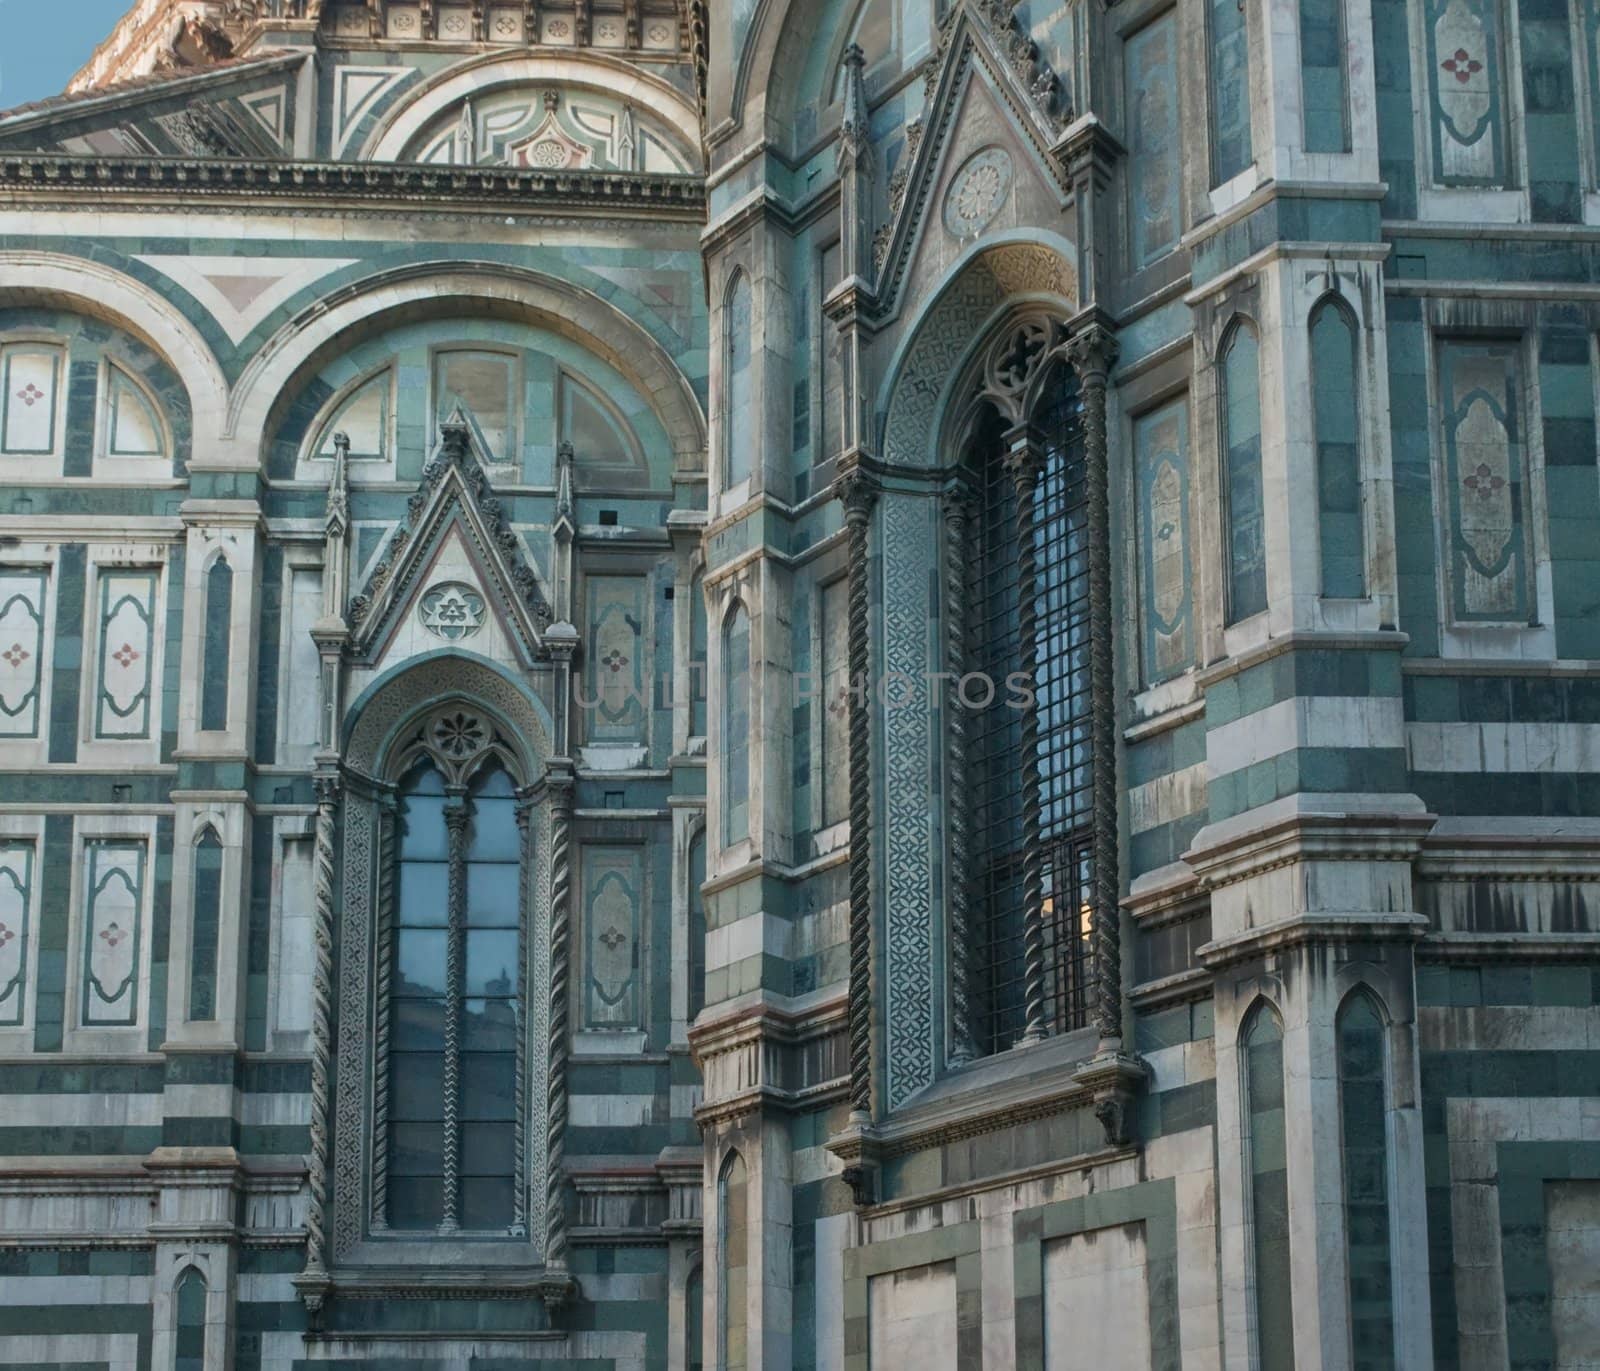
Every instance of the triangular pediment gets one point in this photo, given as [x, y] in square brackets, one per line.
[455, 569]
[986, 73]
[238, 107]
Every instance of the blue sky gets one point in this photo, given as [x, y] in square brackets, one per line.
[41, 46]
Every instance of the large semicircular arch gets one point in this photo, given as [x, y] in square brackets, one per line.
[88, 287]
[495, 71]
[306, 341]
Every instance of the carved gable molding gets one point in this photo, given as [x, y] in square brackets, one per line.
[454, 492]
[984, 33]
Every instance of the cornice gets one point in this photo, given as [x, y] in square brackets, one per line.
[249, 183]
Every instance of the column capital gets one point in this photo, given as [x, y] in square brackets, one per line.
[857, 489]
[1092, 348]
[1023, 454]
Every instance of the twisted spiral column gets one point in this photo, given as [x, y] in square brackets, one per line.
[1093, 352]
[555, 1250]
[859, 493]
[1022, 464]
[455, 819]
[957, 522]
[327, 792]
[387, 819]
[519, 1204]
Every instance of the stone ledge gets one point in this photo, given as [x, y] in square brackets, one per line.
[454, 188]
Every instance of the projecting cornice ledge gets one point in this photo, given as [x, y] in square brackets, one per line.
[375, 182]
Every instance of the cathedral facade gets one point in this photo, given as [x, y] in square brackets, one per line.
[803, 685]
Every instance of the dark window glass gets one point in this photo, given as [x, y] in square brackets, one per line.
[1061, 703]
[485, 1005]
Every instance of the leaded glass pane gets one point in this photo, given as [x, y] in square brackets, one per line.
[1061, 702]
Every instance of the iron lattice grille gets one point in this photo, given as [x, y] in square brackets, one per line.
[1061, 691]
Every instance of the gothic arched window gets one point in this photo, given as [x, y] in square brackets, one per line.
[1364, 1128]
[189, 1344]
[733, 1210]
[1241, 466]
[1336, 414]
[736, 726]
[215, 675]
[1267, 1187]
[1002, 812]
[455, 1005]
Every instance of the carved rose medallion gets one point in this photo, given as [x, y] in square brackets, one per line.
[452, 611]
[977, 191]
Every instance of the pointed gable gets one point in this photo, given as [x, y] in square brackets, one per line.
[993, 117]
[454, 566]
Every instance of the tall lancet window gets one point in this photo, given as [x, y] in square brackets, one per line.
[1057, 697]
[455, 1001]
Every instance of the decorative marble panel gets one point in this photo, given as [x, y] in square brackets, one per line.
[22, 648]
[1154, 140]
[29, 402]
[615, 664]
[482, 384]
[909, 543]
[123, 688]
[16, 901]
[364, 418]
[911, 1318]
[113, 898]
[133, 426]
[1466, 90]
[1480, 390]
[1231, 150]
[835, 702]
[1161, 443]
[613, 894]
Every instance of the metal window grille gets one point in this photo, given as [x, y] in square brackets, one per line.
[1061, 701]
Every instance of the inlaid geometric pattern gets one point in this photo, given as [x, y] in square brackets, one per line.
[127, 636]
[1465, 83]
[113, 898]
[16, 898]
[22, 649]
[612, 892]
[1480, 389]
[1161, 453]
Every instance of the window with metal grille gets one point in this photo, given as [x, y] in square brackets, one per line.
[1061, 702]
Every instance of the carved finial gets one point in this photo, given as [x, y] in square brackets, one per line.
[338, 514]
[454, 436]
[853, 126]
[466, 136]
[626, 138]
[552, 100]
[565, 459]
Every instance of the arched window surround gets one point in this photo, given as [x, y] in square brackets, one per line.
[383, 736]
